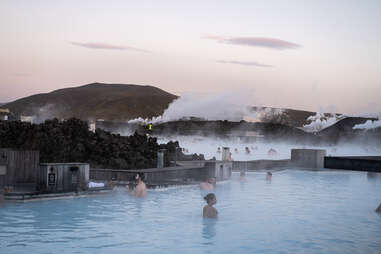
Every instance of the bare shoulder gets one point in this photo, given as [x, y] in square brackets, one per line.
[209, 212]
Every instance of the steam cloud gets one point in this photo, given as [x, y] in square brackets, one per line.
[321, 121]
[223, 106]
[231, 106]
[369, 124]
[40, 114]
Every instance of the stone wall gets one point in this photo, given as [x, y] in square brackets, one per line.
[308, 158]
[358, 163]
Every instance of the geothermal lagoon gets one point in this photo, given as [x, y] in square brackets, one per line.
[284, 215]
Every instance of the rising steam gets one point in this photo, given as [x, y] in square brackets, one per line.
[231, 106]
[369, 124]
[321, 121]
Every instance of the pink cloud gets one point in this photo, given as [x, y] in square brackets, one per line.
[266, 42]
[101, 45]
[247, 63]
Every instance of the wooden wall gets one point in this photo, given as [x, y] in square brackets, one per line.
[260, 165]
[155, 175]
[65, 178]
[22, 167]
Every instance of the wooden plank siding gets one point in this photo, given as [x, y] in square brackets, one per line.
[68, 176]
[22, 167]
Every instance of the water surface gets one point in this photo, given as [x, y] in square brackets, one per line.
[297, 212]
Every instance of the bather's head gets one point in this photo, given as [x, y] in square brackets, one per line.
[139, 176]
[212, 180]
[210, 199]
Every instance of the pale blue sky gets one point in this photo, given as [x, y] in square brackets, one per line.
[198, 46]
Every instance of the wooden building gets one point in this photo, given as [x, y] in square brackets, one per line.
[63, 177]
[4, 114]
[19, 170]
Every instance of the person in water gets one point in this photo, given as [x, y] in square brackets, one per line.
[209, 184]
[209, 211]
[141, 189]
[130, 189]
[269, 175]
[378, 210]
[242, 176]
[272, 152]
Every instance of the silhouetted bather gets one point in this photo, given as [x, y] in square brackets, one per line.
[378, 209]
[141, 189]
[269, 176]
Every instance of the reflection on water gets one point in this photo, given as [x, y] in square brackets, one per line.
[373, 176]
[209, 229]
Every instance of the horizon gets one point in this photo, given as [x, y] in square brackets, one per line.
[319, 56]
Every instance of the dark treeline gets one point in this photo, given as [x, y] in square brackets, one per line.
[71, 141]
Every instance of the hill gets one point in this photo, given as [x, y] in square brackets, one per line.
[113, 102]
[290, 117]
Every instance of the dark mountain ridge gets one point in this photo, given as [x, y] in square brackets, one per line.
[114, 102]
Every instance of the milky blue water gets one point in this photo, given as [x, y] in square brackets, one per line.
[297, 212]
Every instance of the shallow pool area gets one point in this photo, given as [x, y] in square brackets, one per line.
[296, 212]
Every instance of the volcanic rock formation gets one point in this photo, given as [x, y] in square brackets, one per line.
[71, 141]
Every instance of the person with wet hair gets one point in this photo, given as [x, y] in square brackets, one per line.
[141, 189]
[269, 175]
[209, 211]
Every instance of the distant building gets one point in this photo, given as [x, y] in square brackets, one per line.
[28, 119]
[4, 114]
[92, 126]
